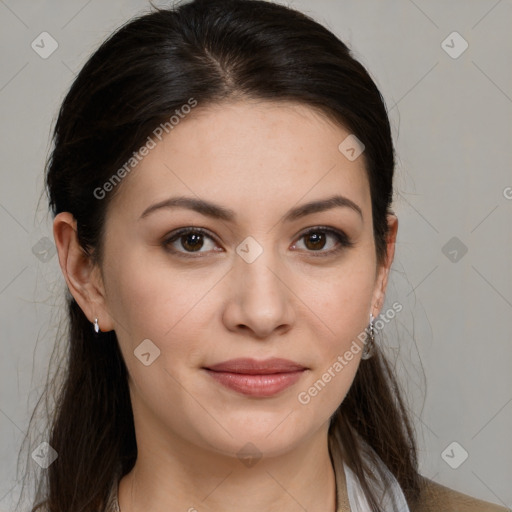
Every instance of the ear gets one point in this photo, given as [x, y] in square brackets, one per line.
[82, 276]
[383, 270]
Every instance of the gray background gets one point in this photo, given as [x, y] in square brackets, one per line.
[452, 123]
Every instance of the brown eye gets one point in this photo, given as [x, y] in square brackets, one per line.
[189, 240]
[192, 241]
[316, 239]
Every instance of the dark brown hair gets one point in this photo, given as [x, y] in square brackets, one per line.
[213, 51]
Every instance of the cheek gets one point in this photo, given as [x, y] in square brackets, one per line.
[339, 312]
[163, 308]
[169, 309]
[149, 299]
[341, 301]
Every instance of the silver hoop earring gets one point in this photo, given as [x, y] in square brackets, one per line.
[96, 326]
[368, 349]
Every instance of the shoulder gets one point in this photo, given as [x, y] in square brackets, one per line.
[436, 497]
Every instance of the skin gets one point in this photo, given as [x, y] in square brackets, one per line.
[259, 159]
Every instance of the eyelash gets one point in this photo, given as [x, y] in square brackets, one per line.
[340, 236]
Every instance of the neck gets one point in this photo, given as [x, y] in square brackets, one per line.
[189, 478]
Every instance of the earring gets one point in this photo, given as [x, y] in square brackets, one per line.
[368, 349]
[96, 326]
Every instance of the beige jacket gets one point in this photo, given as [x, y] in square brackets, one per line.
[440, 498]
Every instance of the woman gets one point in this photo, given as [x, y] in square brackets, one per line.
[221, 183]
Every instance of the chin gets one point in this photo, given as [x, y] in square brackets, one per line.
[257, 436]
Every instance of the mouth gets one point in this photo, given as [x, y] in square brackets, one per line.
[256, 378]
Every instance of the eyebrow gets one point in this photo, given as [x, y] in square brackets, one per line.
[216, 211]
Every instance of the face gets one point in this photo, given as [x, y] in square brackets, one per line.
[259, 281]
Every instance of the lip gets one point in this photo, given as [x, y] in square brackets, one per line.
[254, 367]
[257, 378]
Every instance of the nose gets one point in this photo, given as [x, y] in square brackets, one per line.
[260, 302]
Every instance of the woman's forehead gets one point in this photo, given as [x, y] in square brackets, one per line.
[255, 152]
